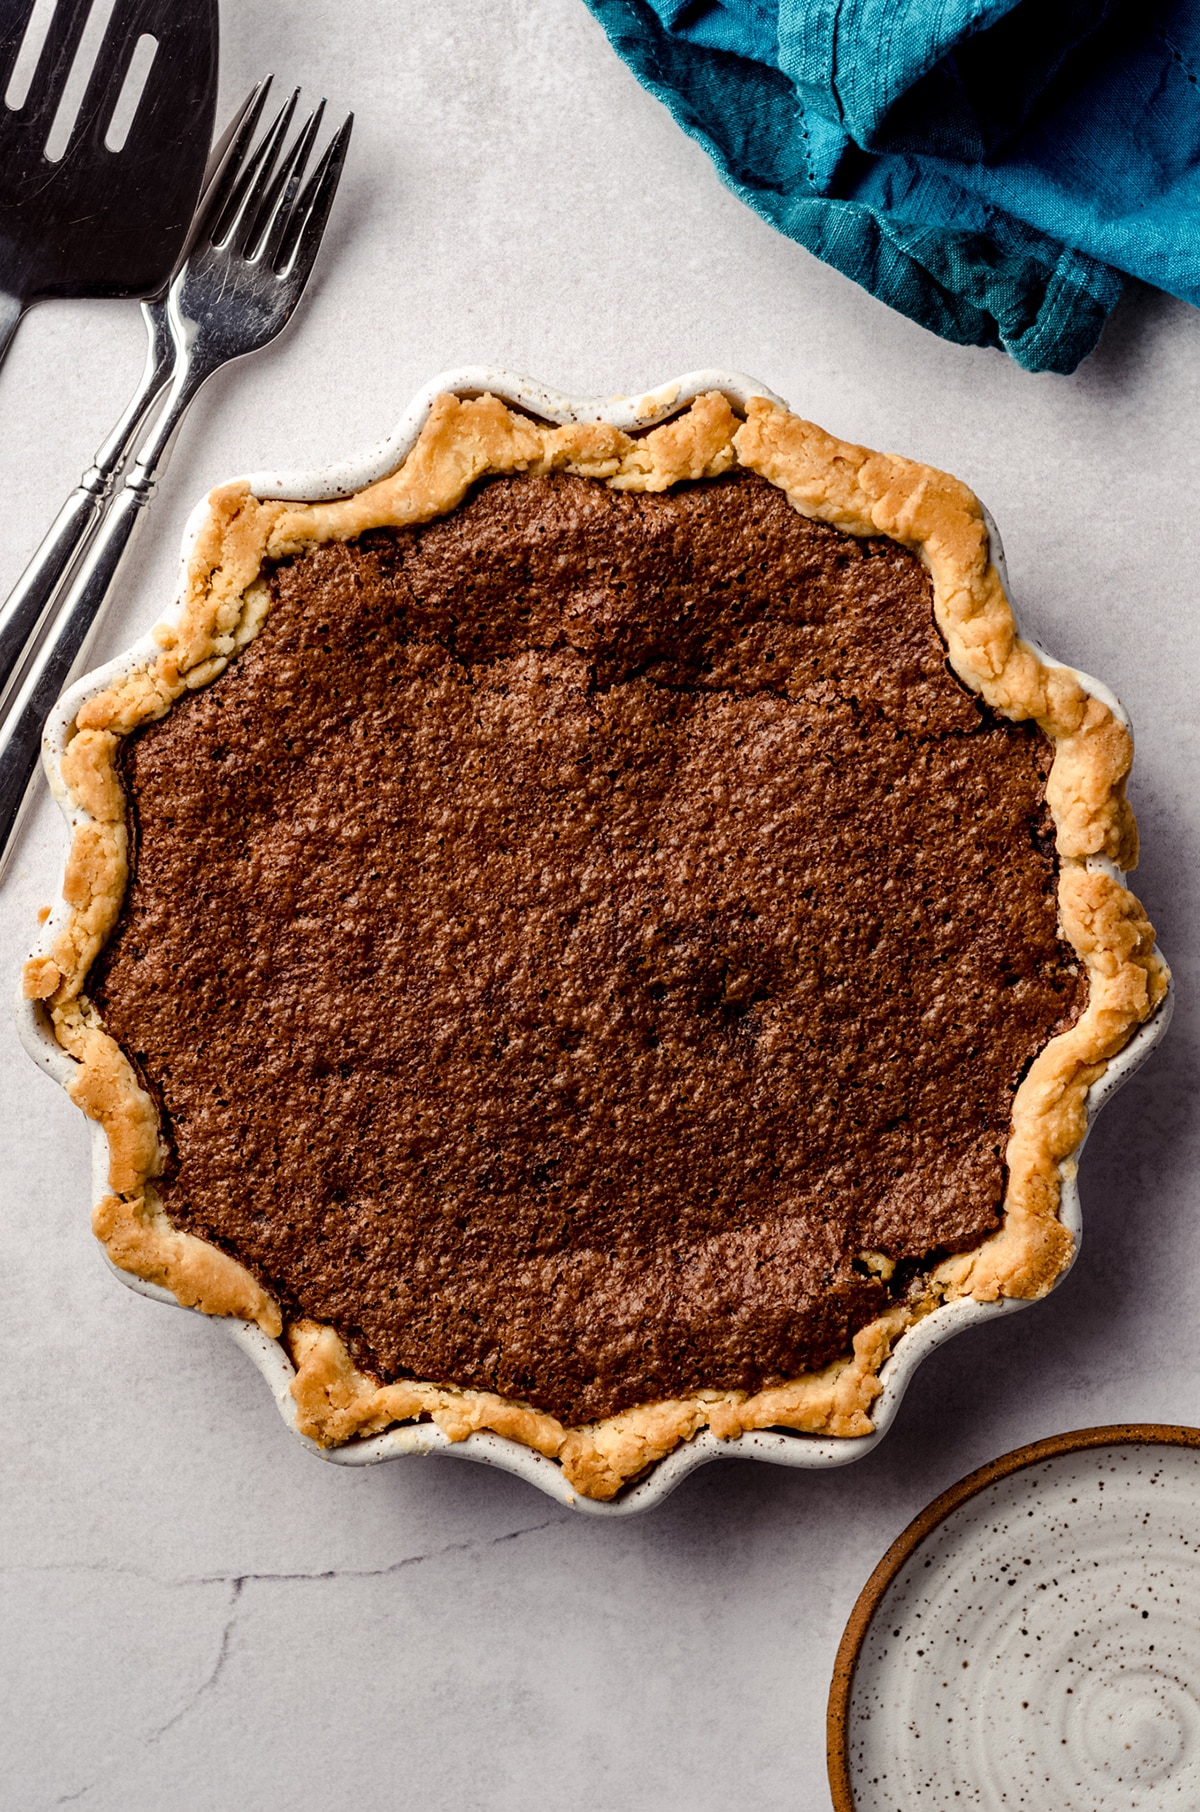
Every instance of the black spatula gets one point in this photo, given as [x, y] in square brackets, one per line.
[107, 215]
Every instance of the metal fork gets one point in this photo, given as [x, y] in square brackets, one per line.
[247, 270]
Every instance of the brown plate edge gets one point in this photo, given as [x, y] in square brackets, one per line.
[837, 1718]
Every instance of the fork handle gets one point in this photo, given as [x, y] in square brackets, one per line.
[50, 669]
[49, 672]
[28, 604]
[11, 310]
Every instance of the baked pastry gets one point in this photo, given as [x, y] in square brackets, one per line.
[594, 935]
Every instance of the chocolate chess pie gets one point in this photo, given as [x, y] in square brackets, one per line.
[594, 935]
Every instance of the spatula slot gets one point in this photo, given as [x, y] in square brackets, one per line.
[32, 44]
[77, 81]
[132, 89]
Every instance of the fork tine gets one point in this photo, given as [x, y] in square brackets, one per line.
[237, 224]
[307, 222]
[224, 167]
[276, 209]
[227, 162]
[227, 152]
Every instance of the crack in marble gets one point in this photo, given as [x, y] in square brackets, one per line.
[201, 1691]
[238, 1583]
[214, 1673]
[105, 1570]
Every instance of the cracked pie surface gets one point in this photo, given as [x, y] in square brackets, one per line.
[593, 936]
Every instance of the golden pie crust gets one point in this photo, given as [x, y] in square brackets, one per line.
[854, 490]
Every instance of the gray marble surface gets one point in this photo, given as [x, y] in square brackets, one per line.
[197, 1613]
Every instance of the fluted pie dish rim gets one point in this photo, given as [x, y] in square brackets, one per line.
[632, 1466]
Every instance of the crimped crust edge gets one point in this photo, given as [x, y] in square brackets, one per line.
[854, 489]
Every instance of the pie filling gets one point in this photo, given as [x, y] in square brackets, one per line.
[586, 947]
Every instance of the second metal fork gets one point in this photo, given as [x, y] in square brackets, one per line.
[247, 270]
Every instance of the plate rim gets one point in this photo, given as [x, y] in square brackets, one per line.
[1050, 1447]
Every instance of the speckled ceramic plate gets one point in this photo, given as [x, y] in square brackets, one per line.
[785, 1449]
[1032, 1640]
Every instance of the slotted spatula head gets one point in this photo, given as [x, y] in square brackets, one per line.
[98, 221]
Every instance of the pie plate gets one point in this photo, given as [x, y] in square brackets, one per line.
[779, 1447]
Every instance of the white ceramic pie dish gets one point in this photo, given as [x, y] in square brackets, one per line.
[780, 1448]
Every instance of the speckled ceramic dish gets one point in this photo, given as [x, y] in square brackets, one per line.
[1033, 1638]
[781, 1448]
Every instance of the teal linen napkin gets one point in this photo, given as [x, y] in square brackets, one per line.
[991, 168]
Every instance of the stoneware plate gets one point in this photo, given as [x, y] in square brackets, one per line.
[1032, 1640]
[784, 1449]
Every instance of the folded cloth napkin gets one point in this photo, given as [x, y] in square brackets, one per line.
[988, 167]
